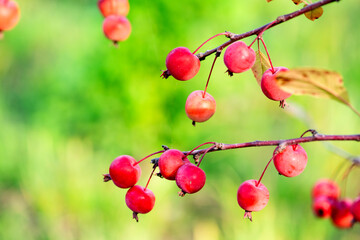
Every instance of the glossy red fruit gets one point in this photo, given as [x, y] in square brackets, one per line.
[182, 64]
[139, 199]
[199, 108]
[114, 7]
[116, 28]
[252, 198]
[355, 209]
[291, 161]
[190, 178]
[239, 57]
[322, 207]
[123, 172]
[170, 161]
[341, 215]
[326, 188]
[9, 14]
[269, 86]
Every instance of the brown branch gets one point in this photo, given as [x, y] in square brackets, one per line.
[236, 37]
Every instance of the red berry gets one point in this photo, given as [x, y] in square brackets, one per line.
[139, 199]
[291, 161]
[199, 108]
[123, 172]
[239, 57]
[170, 161]
[326, 188]
[182, 64]
[355, 209]
[190, 178]
[341, 215]
[114, 7]
[269, 86]
[322, 206]
[9, 14]
[252, 198]
[116, 28]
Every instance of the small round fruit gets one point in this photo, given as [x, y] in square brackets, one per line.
[291, 161]
[116, 28]
[326, 188]
[355, 209]
[341, 215]
[9, 14]
[239, 57]
[252, 198]
[114, 7]
[170, 161]
[123, 172]
[182, 64]
[269, 86]
[322, 207]
[199, 108]
[190, 178]
[139, 199]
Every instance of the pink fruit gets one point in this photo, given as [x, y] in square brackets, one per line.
[269, 86]
[322, 206]
[326, 188]
[116, 28]
[114, 7]
[355, 209]
[190, 178]
[139, 199]
[123, 172]
[182, 64]
[239, 57]
[199, 108]
[291, 161]
[341, 215]
[9, 14]
[252, 198]
[169, 162]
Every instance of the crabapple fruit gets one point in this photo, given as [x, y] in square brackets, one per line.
[355, 209]
[341, 215]
[116, 28]
[182, 64]
[114, 7]
[198, 107]
[291, 161]
[239, 57]
[190, 178]
[269, 86]
[9, 14]
[170, 161]
[251, 196]
[326, 188]
[139, 200]
[322, 206]
[123, 172]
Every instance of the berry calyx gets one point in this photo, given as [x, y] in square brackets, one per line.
[341, 215]
[190, 178]
[269, 86]
[9, 14]
[325, 188]
[322, 206]
[114, 7]
[116, 28]
[239, 57]
[139, 200]
[182, 64]
[291, 161]
[169, 163]
[355, 209]
[198, 107]
[123, 171]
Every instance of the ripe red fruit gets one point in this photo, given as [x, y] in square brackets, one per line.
[291, 161]
[170, 161]
[355, 209]
[326, 188]
[182, 64]
[252, 198]
[190, 178]
[341, 215]
[239, 57]
[123, 172]
[199, 108]
[116, 28]
[140, 200]
[9, 14]
[322, 206]
[270, 87]
[114, 7]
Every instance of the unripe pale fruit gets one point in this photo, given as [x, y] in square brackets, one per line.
[116, 28]
[322, 207]
[139, 199]
[326, 188]
[9, 14]
[355, 209]
[123, 172]
[190, 178]
[239, 57]
[170, 161]
[252, 198]
[291, 161]
[199, 108]
[341, 215]
[269, 86]
[182, 64]
[114, 7]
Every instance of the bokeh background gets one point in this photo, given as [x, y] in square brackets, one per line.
[70, 103]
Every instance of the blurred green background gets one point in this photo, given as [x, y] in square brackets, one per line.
[70, 103]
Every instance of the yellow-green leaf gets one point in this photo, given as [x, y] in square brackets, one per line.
[314, 14]
[260, 66]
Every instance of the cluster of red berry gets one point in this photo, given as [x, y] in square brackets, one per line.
[327, 204]
[116, 26]
[9, 15]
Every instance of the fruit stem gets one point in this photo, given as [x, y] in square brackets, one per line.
[1, 34]
[211, 69]
[258, 182]
[148, 157]
[219, 34]
[272, 67]
[152, 173]
[188, 153]
[207, 150]
[262, 32]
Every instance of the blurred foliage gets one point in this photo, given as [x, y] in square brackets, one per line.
[70, 103]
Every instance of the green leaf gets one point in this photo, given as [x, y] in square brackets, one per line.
[314, 14]
[260, 66]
